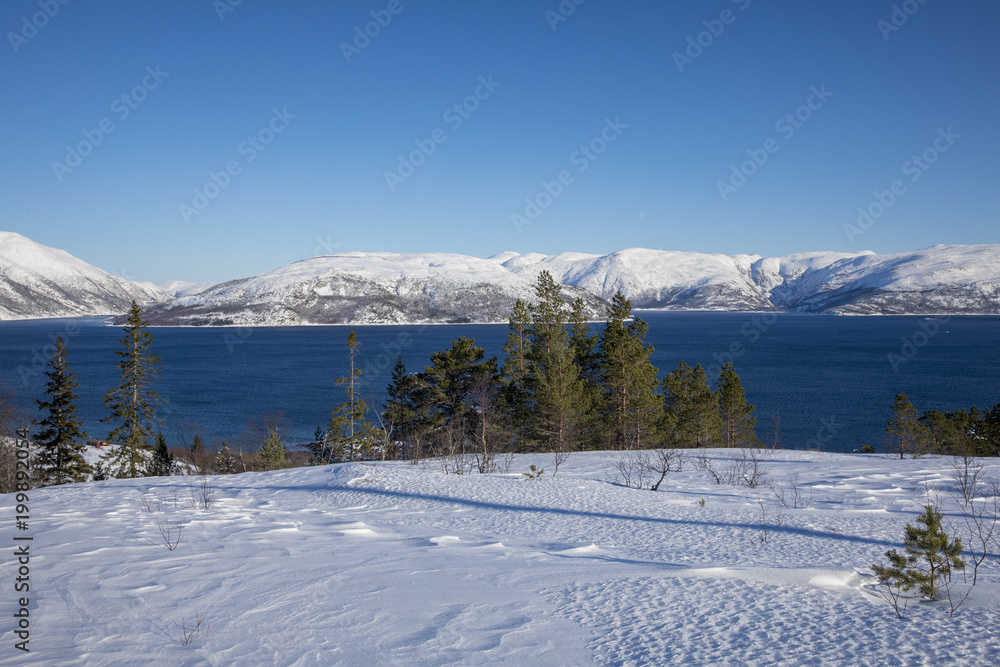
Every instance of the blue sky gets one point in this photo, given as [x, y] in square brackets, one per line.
[310, 133]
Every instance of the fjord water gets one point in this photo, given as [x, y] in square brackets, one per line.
[830, 379]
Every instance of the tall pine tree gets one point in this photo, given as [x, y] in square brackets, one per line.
[691, 410]
[515, 376]
[631, 404]
[132, 402]
[906, 434]
[60, 438]
[561, 405]
[737, 417]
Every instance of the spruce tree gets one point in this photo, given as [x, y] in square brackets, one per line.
[162, 464]
[691, 410]
[397, 411]
[907, 435]
[736, 414]
[225, 462]
[515, 375]
[632, 406]
[132, 402]
[561, 402]
[587, 356]
[930, 557]
[60, 438]
[272, 453]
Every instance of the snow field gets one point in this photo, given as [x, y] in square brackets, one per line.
[393, 563]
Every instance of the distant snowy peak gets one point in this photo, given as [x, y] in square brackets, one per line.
[179, 288]
[37, 281]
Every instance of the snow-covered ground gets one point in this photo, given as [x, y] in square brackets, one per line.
[392, 563]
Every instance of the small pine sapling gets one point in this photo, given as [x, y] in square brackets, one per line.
[535, 472]
[929, 559]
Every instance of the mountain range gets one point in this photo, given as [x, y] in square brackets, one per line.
[393, 288]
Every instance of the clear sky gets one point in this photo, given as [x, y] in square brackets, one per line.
[667, 98]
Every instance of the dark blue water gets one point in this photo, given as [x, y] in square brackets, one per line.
[830, 379]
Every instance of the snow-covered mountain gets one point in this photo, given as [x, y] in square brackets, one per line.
[364, 288]
[391, 288]
[37, 281]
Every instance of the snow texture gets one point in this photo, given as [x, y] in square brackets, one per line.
[393, 563]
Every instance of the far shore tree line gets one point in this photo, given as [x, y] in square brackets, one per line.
[560, 388]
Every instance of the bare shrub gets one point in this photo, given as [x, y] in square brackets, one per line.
[202, 496]
[660, 462]
[191, 628]
[748, 468]
[966, 471]
[766, 519]
[745, 469]
[981, 522]
[149, 504]
[505, 461]
[794, 497]
[170, 532]
[631, 472]
[558, 458]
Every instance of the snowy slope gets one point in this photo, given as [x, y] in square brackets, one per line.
[365, 564]
[38, 281]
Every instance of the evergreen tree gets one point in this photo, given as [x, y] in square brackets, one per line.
[397, 411]
[345, 435]
[736, 414]
[907, 435]
[561, 405]
[60, 439]
[515, 377]
[986, 430]
[354, 408]
[162, 464]
[225, 462]
[632, 405]
[930, 557]
[132, 402]
[272, 454]
[588, 358]
[691, 410]
[447, 382]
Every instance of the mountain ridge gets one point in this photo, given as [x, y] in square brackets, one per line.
[403, 288]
